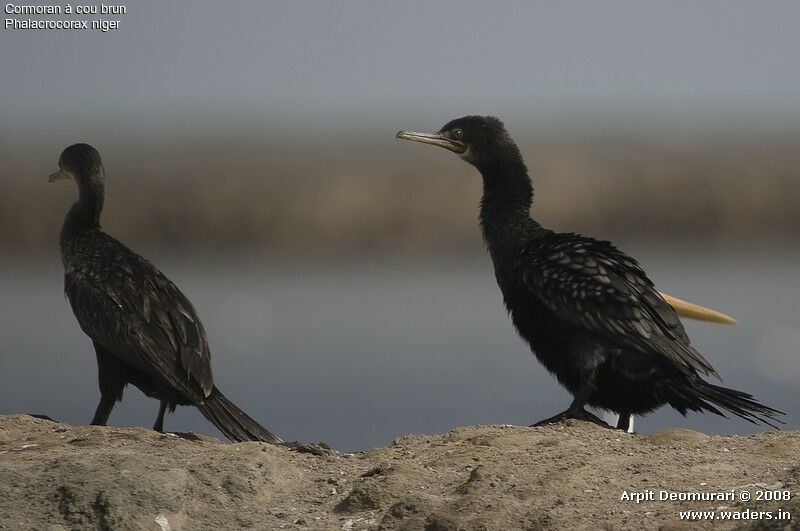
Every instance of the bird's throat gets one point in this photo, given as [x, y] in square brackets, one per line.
[85, 213]
[505, 213]
[507, 199]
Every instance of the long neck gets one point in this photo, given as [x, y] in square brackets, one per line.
[85, 213]
[505, 207]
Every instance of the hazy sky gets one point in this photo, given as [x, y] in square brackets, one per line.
[200, 62]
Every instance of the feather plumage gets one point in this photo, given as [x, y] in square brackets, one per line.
[144, 329]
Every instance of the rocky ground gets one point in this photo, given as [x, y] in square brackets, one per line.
[567, 476]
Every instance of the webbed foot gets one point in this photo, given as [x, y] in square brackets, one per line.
[577, 414]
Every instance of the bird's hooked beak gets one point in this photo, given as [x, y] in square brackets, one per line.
[436, 139]
[59, 175]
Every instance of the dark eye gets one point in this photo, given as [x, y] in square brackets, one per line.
[456, 134]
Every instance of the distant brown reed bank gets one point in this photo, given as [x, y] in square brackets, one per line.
[347, 197]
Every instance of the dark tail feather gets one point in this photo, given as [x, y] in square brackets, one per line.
[234, 423]
[702, 395]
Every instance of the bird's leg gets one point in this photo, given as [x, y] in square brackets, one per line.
[624, 422]
[576, 409]
[103, 410]
[111, 379]
[159, 425]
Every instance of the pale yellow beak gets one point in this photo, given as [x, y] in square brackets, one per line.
[434, 139]
[695, 311]
[59, 175]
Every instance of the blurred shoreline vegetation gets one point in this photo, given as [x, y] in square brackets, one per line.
[357, 193]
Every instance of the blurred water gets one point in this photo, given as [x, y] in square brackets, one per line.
[355, 353]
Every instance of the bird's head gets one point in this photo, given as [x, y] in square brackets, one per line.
[78, 162]
[480, 140]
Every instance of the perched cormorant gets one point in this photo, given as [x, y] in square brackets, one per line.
[145, 331]
[587, 310]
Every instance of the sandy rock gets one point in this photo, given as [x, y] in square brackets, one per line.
[567, 476]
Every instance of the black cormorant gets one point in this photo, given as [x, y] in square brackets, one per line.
[145, 331]
[587, 310]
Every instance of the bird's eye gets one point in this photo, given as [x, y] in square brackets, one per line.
[456, 134]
